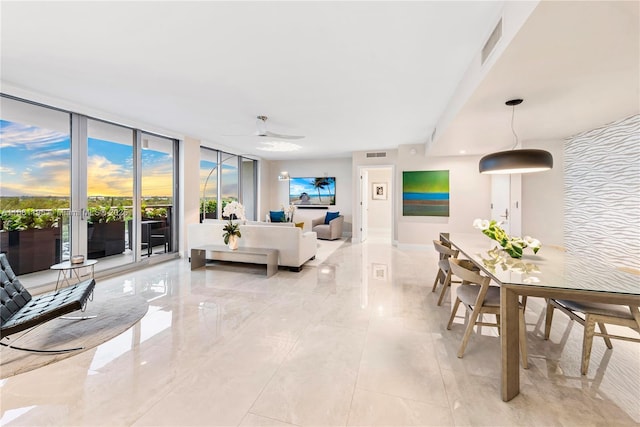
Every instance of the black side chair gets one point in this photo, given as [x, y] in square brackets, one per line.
[22, 312]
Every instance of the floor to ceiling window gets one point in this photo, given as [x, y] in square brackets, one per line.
[208, 183]
[249, 186]
[35, 164]
[158, 188]
[234, 180]
[70, 184]
[109, 191]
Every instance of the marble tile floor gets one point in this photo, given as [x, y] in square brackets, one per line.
[355, 341]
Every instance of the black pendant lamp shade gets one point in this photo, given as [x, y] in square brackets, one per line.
[516, 161]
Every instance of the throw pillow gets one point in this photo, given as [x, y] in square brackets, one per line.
[330, 216]
[276, 216]
[300, 225]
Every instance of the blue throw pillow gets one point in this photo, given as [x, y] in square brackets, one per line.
[276, 216]
[330, 216]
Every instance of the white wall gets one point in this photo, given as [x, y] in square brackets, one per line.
[470, 194]
[543, 197]
[379, 215]
[339, 168]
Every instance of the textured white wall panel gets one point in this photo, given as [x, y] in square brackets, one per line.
[602, 193]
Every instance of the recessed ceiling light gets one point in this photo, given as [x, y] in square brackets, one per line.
[463, 151]
[278, 146]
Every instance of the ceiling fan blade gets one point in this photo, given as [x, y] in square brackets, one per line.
[280, 136]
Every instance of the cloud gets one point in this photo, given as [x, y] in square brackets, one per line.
[108, 179]
[29, 137]
[6, 170]
[65, 153]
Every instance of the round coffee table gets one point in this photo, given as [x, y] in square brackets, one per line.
[66, 271]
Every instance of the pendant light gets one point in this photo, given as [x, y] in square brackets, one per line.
[516, 161]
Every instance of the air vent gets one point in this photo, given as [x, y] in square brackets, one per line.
[376, 154]
[491, 43]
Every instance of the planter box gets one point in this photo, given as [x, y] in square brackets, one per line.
[105, 239]
[32, 250]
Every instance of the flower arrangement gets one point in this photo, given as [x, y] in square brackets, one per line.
[514, 246]
[232, 210]
[288, 212]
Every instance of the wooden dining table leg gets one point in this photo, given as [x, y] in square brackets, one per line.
[509, 319]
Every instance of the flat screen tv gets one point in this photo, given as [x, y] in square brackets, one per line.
[312, 191]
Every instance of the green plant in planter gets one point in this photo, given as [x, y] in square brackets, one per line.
[210, 206]
[102, 214]
[29, 219]
[154, 213]
[116, 214]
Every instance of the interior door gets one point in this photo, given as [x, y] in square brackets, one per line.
[501, 199]
[364, 206]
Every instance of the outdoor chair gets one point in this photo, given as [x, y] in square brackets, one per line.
[22, 312]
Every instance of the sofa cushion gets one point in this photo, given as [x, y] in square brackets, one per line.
[300, 225]
[331, 215]
[277, 216]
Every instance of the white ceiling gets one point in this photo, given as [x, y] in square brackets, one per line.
[575, 64]
[349, 75]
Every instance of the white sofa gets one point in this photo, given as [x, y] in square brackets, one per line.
[294, 246]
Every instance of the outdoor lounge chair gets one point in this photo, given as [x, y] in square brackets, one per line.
[22, 312]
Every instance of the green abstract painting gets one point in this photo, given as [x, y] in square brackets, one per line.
[425, 193]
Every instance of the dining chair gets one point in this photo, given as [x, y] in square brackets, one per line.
[444, 274]
[479, 298]
[588, 314]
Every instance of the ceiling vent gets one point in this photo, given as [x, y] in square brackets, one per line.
[491, 43]
[376, 154]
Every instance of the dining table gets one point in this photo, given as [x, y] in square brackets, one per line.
[551, 273]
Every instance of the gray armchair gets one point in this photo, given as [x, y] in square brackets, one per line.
[330, 231]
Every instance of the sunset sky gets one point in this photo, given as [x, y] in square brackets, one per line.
[37, 162]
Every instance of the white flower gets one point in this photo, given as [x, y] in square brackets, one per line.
[234, 208]
[481, 224]
[531, 242]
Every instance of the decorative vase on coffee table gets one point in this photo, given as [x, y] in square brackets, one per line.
[233, 242]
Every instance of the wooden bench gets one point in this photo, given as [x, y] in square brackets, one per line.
[269, 257]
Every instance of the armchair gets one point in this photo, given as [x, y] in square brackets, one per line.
[330, 231]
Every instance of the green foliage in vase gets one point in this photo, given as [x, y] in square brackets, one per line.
[231, 229]
[514, 246]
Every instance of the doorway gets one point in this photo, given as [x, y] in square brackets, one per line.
[376, 213]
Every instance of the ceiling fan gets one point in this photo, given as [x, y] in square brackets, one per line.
[261, 131]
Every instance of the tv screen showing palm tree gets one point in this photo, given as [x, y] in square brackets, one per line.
[312, 191]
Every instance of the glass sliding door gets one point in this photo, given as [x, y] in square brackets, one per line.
[248, 185]
[235, 179]
[208, 183]
[35, 181]
[110, 177]
[157, 195]
[229, 179]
